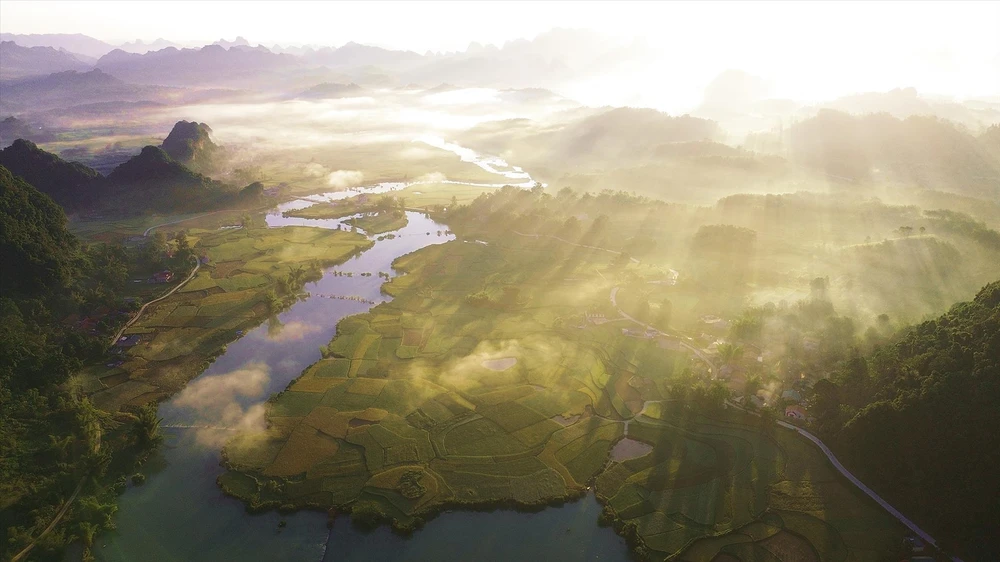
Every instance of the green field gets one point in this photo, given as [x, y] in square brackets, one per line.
[380, 222]
[229, 295]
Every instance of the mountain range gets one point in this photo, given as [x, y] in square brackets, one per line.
[149, 181]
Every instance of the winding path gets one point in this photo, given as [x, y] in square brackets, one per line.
[699, 353]
[59, 515]
[156, 300]
[861, 486]
[65, 507]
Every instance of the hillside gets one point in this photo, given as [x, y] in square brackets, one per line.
[328, 90]
[154, 180]
[212, 65]
[13, 128]
[71, 88]
[77, 43]
[917, 151]
[36, 250]
[20, 62]
[70, 184]
[907, 413]
[190, 143]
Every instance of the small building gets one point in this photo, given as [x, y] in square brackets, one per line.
[164, 276]
[792, 395]
[128, 341]
[795, 411]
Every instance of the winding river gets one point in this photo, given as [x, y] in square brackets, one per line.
[181, 514]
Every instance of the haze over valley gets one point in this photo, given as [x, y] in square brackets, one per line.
[438, 281]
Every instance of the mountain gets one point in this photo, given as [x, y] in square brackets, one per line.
[328, 90]
[920, 151]
[36, 250]
[70, 88]
[190, 143]
[356, 55]
[553, 59]
[13, 128]
[70, 184]
[238, 42]
[211, 65]
[19, 62]
[153, 180]
[75, 43]
[622, 135]
[139, 46]
[906, 102]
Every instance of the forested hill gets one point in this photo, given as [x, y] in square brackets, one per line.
[926, 432]
[163, 184]
[71, 184]
[149, 181]
[51, 437]
[190, 144]
[922, 151]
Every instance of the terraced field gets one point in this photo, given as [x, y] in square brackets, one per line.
[417, 407]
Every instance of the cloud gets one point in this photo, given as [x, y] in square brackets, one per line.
[315, 170]
[344, 178]
[433, 177]
[215, 402]
[293, 331]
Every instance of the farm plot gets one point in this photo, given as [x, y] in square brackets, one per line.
[228, 296]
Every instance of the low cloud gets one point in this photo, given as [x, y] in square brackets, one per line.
[433, 177]
[315, 170]
[344, 178]
[215, 402]
[293, 331]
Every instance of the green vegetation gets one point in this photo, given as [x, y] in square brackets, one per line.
[484, 383]
[149, 181]
[906, 415]
[380, 222]
[248, 275]
[70, 184]
[54, 444]
[189, 143]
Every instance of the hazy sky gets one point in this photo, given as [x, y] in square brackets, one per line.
[809, 49]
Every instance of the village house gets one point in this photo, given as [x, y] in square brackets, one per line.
[795, 411]
[164, 276]
[792, 395]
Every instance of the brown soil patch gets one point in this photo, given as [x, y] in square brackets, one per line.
[789, 546]
[225, 269]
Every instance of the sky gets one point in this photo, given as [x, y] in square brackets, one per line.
[809, 50]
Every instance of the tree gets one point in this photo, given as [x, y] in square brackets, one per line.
[147, 427]
[730, 353]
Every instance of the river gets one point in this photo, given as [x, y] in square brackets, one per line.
[181, 514]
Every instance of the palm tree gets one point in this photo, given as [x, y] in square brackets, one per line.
[147, 427]
[730, 353]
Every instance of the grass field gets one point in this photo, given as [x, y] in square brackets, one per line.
[380, 222]
[404, 417]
